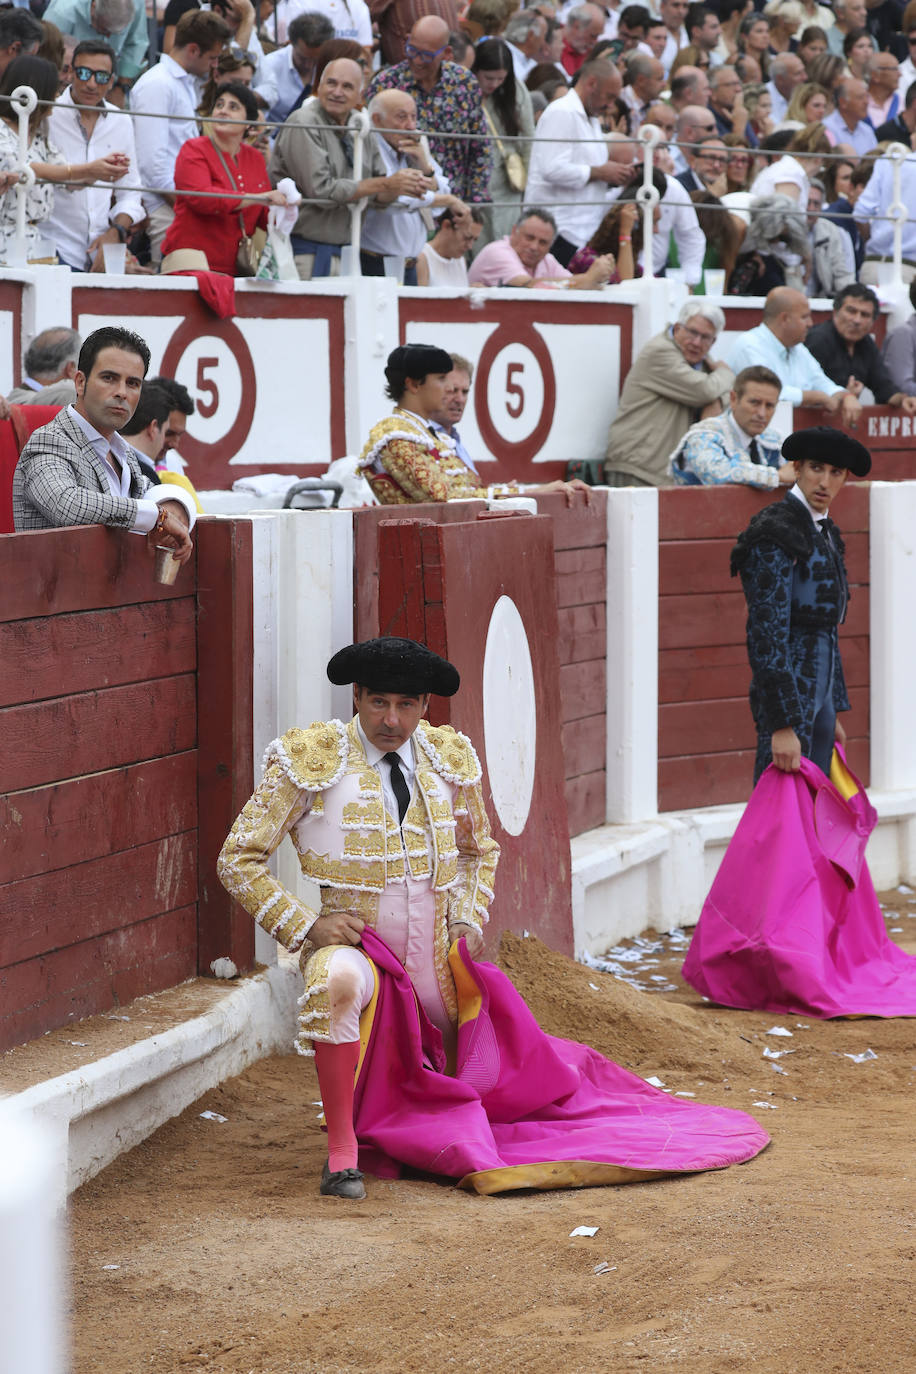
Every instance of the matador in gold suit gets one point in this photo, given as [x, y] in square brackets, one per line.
[387, 817]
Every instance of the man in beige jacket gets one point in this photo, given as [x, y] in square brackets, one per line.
[671, 385]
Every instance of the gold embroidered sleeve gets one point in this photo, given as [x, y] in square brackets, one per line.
[478, 855]
[420, 474]
[242, 866]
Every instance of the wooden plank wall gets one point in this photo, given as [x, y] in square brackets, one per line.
[706, 738]
[888, 434]
[100, 768]
[580, 535]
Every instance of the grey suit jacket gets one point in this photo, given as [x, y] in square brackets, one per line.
[60, 393]
[59, 481]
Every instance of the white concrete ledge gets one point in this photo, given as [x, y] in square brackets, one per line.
[99, 1111]
[626, 878]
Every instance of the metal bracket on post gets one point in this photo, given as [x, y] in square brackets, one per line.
[360, 127]
[647, 196]
[23, 101]
[897, 211]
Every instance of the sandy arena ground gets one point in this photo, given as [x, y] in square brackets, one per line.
[208, 1247]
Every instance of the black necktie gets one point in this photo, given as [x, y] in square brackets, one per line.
[754, 451]
[398, 786]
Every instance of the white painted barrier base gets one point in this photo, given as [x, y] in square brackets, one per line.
[657, 873]
[97, 1112]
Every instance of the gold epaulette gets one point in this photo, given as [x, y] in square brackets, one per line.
[314, 758]
[451, 754]
[400, 426]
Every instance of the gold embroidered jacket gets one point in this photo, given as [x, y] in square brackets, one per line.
[320, 789]
[404, 462]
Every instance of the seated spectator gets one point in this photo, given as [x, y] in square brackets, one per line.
[777, 343]
[740, 160]
[48, 369]
[694, 122]
[736, 446]
[285, 77]
[704, 31]
[220, 161]
[584, 26]
[673, 13]
[832, 261]
[77, 470]
[146, 427]
[898, 352]
[21, 35]
[848, 15]
[902, 127]
[754, 40]
[400, 231]
[828, 71]
[759, 105]
[507, 111]
[812, 41]
[849, 122]
[644, 80]
[47, 162]
[523, 258]
[81, 220]
[858, 47]
[670, 385]
[51, 47]
[841, 192]
[122, 23]
[723, 233]
[239, 16]
[810, 104]
[181, 407]
[727, 102]
[788, 175]
[787, 73]
[775, 250]
[447, 97]
[846, 351]
[313, 148]
[706, 166]
[406, 459]
[524, 34]
[457, 391]
[443, 261]
[170, 88]
[618, 240]
[784, 18]
[882, 77]
[876, 196]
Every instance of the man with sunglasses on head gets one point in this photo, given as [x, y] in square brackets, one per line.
[85, 217]
[447, 97]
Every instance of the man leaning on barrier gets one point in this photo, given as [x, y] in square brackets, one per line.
[77, 470]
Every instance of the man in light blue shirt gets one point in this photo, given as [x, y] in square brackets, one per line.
[874, 200]
[777, 344]
[285, 77]
[122, 23]
[849, 122]
[737, 446]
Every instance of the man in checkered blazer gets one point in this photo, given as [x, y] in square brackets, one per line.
[77, 470]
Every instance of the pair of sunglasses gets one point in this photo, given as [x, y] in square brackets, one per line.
[84, 73]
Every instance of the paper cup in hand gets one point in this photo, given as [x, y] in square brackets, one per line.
[166, 566]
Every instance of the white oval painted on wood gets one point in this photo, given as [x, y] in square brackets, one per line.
[509, 715]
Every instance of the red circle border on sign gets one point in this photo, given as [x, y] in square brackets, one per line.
[514, 456]
[230, 334]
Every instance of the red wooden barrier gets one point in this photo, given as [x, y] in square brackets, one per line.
[107, 739]
[888, 434]
[440, 584]
[706, 738]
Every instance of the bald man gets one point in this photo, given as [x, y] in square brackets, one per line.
[448, 97]
[319, 160]
[694, 122]
[399, 230]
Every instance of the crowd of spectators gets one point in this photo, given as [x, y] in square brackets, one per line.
[771, 161]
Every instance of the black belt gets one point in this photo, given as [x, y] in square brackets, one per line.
[408, 262]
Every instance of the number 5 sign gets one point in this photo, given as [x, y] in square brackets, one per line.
[515, 394]
[218, 371]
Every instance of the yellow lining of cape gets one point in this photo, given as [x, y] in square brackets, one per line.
[467, 991]
[841, 777]
[366, 1019]
[562, 1173]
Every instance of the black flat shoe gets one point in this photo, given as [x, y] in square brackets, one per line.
[343, 1183]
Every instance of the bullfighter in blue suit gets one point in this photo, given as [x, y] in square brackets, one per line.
[790, 559]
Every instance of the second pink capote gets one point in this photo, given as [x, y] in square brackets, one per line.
[519, 1097]
[792, 923]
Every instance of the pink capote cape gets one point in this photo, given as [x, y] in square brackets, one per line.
[792, 923]
[524, 1110]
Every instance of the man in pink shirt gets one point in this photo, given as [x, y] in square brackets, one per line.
[523, 258]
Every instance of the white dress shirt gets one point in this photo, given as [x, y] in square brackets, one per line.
[376, 759]
[351, 18]
[521, 65]
[399, 230]
[679, 217]
[81, 213]
[861, 136]
[279, 84]
[166, 89]
[818, 516]
[119, 478]
[797, 369]
[877, 196]
[672, 48]
[778, 104]
[559, 171]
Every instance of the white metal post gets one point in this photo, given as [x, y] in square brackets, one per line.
[359, 126]
[897, 211]
[23, 101]
[647, 196]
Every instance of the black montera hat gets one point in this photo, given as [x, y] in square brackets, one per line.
[418, 361]
[821, 444]
[394, 665]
